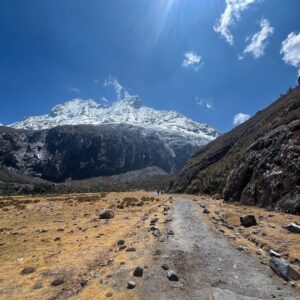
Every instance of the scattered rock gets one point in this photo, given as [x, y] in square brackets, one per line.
[83, 282]
[248, 221]
[120, 242]
[57, 282]
[293, 227]
[206, 211]
[138, 272]
[153, 221]
[170, 232]
[130, 249]
[37, 286]
[27, 270]
[157, 252]
[131, 284]
[122, 247]
[172, 276]
[57, 239]
[282, 268]
[156, 232]
[165, 267]
[108, 295]
[106, 213]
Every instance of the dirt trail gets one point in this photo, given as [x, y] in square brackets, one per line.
[206, 264]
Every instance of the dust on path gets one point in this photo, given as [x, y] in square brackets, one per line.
[206, 264]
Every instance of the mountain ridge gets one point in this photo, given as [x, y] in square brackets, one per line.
[256, 163]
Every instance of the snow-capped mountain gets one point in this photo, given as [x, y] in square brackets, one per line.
[127, 111]
[101, 140]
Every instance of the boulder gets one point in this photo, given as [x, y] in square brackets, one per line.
[282, 268]
[106, 214]
[293, 227]
[248, 221]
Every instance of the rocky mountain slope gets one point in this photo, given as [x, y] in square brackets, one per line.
[256, 163]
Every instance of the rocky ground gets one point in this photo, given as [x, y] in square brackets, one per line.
[144, 246]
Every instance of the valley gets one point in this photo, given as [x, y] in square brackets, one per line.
[59, 247]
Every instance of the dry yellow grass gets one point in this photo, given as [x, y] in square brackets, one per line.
[62, 237]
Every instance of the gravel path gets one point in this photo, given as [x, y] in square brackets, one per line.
[206, 264]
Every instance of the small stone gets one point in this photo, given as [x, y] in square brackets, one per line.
[57, 239]
[120, 242]
[131, 284]
[138, 272]
[156, 233]
[109, 295]
[122, 247]
[206, 211]
[170, 232]
[106, 214]
[37, 286]
[248, 221]
[57, 282]
[165, 267]
[172, 276]
[293, 227]
[153, 221]
[27, 270]
[130, 249]
[83, 282]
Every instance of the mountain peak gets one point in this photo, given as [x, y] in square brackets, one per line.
[128, 110]
[133, 101]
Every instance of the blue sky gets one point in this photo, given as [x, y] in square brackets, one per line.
[184, 55]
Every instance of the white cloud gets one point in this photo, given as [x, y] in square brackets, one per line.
[121, 92]
[290, 50]
[75, 90]
[230, 16]
[240, 118]
[207, 103]
[116, 85]
[192, 60]
[259, 40]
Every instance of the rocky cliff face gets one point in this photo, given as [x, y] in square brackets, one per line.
[84, 151]
[256, 163]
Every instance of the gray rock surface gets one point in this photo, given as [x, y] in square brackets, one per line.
[282, 268]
